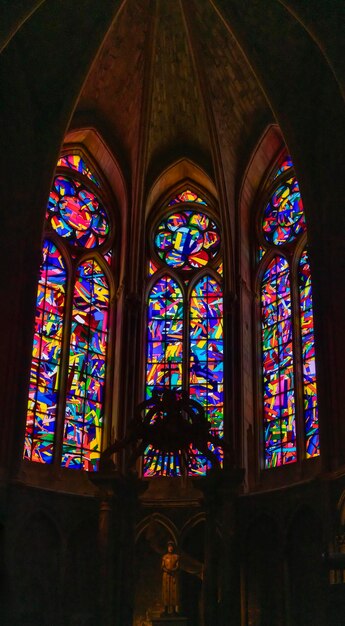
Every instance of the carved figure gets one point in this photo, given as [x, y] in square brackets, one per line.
[170, 582]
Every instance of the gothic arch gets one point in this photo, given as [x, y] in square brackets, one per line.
[95, 145]
[184, 294]
[39, 514]
[152, 535]
[199, 518]
[180, 174]
[68, 412]
[161, 520]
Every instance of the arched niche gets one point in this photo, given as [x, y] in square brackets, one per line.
[153, 533]
[181, 173]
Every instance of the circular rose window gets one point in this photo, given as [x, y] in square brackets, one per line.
[187, 240]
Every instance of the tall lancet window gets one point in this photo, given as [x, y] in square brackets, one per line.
[185, 318]
[290, 419]
[68, 378]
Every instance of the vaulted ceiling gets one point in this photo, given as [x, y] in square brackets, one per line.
[170, 81]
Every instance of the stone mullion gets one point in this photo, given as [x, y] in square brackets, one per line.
[30, 148]
[64, 364]
[314, 137]
[132, 354]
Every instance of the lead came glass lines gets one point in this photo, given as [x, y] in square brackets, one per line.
[86, 369]
[78, 216]
[46, 353]
[206, 357]
[277, 359]
[186, 241]
[75, 213]
[308, 359]
[78, 164]
[283, 225]
[164, 356]
[165, 334]
[284, 165]
[284, 216]
[186, 196]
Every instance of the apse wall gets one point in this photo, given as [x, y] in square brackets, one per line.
[285, 526]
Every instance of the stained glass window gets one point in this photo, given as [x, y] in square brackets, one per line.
[164, 336]
[261, 252]
[72, 402]
[285, 164]
[206, 376]
[75, 213]
[152, 268]
[185, 331]
[278, 366]
[308, 358]
[286, 324]
[46, 356]
[109, 257]
[78, 164]
[284, 216]
[187, 196]
[86, 368]
[187, 240]
[220, 269]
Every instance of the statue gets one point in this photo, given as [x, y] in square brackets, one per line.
[170, 586]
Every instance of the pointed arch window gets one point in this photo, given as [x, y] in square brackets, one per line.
[66, 402]
[184, 348]
[290, 420]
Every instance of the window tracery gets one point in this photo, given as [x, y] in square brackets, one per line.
[286, 317]
[67, 385]
[184, 347]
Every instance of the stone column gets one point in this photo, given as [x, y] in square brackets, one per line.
[106, 550]
[221, 596]
[34, 115]
[119, 502]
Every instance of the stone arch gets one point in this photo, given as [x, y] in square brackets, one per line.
[93, 141]
[152, 534]
[183, 171]
[158, 520]
[265, 152]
